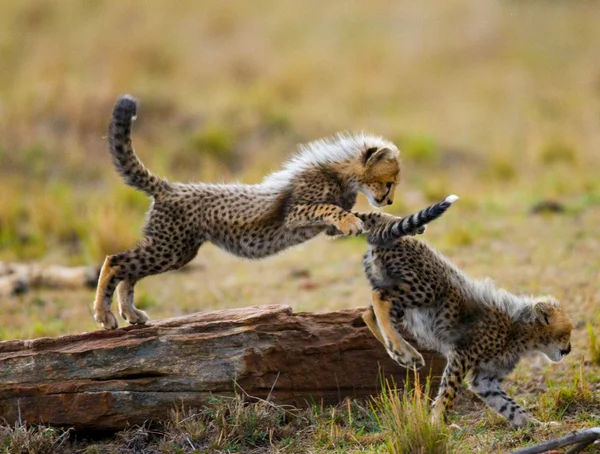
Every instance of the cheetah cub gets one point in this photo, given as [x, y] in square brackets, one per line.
[478, 327]
[313, 193]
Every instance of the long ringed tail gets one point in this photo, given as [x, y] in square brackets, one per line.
[125, 160]
[410, 225]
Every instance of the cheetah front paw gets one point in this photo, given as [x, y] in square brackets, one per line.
[525, 420]
[350, 225]
[135, 316]
[106, 319]
[408, 358]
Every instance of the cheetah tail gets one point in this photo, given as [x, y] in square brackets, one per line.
[410, 224]
[125, 160]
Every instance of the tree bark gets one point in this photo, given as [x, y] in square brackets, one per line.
[106, 380]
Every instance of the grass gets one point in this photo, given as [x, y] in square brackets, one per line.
[24, 439]
[231, 96]
[405, 419]
[594, 346]
[488, 107]
[572, 399]
[397, 421]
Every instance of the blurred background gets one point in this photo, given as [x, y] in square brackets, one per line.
[496, 101]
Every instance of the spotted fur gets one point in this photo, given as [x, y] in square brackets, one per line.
[313, 193]
[481, 329]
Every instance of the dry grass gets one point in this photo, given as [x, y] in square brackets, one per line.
[397, 421]
[405, 419]
[24, 439]
[495, 101]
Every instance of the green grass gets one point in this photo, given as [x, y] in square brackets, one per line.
[405, 419]
[573, 398]
[594, 345]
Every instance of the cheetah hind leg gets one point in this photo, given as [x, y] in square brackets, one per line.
[397, 347]
[369, 318]
[147, 259]
[129, 266]
[126, 307]
[107, 282]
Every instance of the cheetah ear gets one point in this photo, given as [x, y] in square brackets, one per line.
[543, 311]
[374, 154]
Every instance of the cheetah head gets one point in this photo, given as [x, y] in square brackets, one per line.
[554, 327]
[380, 174]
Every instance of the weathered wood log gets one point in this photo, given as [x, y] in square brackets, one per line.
[106, 380]
[16, 278]
[580, 439]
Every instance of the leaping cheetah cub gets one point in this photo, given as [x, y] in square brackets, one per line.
[478, 327]
[313, 193]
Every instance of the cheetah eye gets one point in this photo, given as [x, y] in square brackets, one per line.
[389, 185]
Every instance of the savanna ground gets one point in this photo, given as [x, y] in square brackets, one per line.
[496, 101]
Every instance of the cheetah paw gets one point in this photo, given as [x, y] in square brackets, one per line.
[135, 316]
[106, 319]
[350, 225]
[527, 422]
[408, 359]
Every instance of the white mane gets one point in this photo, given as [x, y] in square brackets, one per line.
[343, 147]
[517, 307]
[486, 293]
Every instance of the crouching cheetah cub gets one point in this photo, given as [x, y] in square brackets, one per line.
[481, 329]
[313, 193]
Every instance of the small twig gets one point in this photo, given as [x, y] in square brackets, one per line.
[63, 438]
[581, 438]
[19, 419]
[273, 387]
[180, 422]
[269, 403]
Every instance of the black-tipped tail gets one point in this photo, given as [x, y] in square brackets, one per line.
[125, 109]
[410, 225]
[125, 160]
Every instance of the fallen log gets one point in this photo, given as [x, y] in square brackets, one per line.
[580, 440]
[107, 380]
[17, 278]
